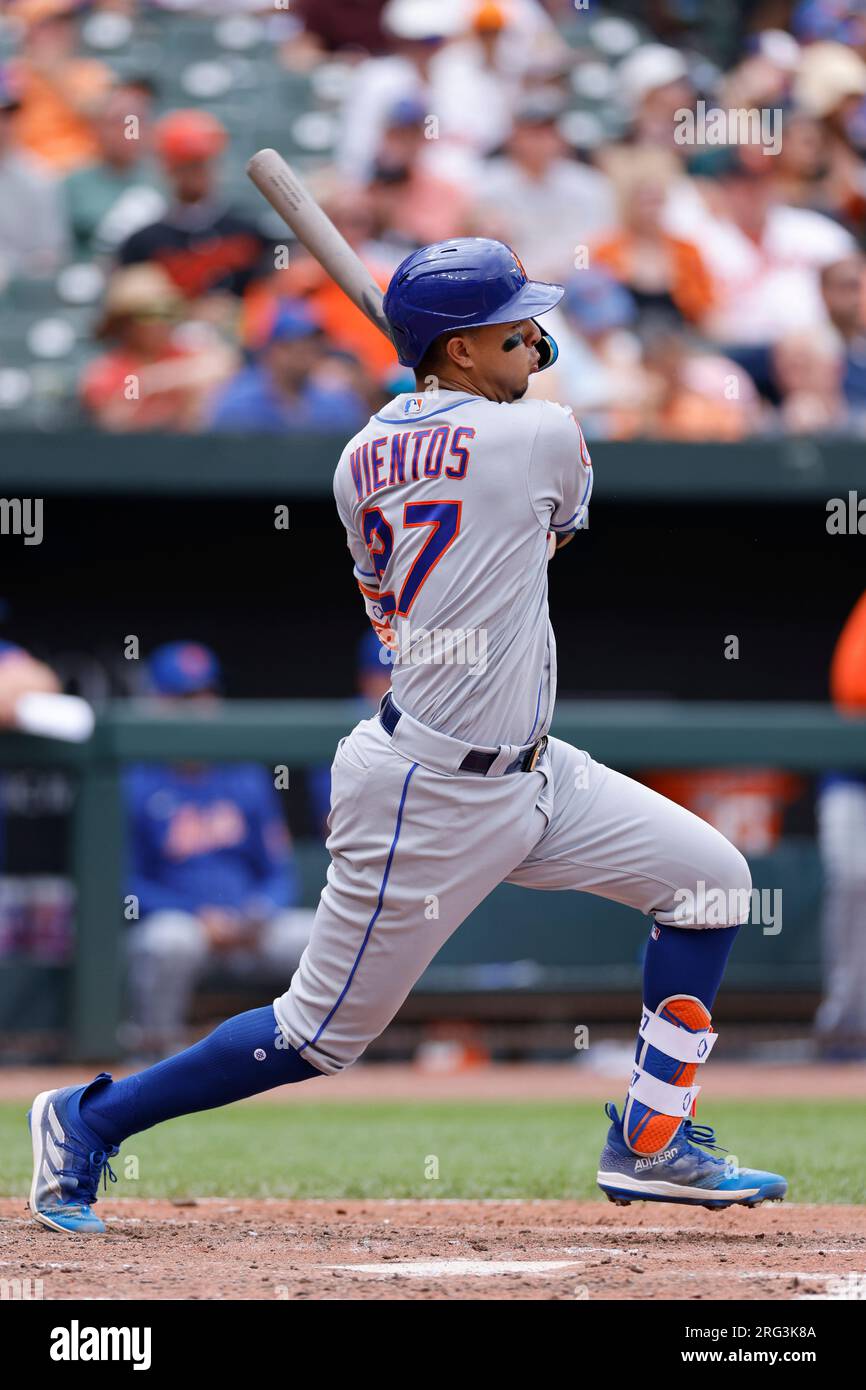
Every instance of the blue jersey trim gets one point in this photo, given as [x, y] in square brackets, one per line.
[413, 419]
[322, 1026]
[556, 525]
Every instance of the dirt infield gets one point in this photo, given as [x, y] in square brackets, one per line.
[447, 1250]
[274, 1250]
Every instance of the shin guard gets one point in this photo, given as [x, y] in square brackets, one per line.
[674, 1041]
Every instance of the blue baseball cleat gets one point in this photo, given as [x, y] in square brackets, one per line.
[68, 1161]
[681, 1172]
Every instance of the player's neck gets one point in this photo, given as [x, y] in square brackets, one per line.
[443, 383]
[464, 385]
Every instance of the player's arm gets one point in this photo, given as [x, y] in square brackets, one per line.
[559, 478]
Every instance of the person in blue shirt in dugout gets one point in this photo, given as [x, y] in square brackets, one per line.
[211, 873]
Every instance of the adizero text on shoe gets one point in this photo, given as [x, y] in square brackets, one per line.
[681, 1172]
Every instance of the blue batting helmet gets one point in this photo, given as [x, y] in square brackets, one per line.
[464, 283]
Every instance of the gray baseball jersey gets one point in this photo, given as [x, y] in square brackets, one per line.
[447, 500]
[447, 504]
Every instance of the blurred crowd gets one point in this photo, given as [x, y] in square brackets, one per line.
[714, 291]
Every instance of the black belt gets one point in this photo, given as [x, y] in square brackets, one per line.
[476, 760]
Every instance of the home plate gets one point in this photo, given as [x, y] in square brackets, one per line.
[433, 1269]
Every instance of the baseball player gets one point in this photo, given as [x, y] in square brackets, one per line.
[453, 498]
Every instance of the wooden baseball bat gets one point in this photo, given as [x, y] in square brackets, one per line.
[299, 210]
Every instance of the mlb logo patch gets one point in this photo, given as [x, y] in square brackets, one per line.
[656, 932]
[414, 405]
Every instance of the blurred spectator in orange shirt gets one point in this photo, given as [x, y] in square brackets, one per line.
[695, 395]
[763, 256]
[409, 204]
[153, 377]
[60, 90]
[343, 323]
[664, 273]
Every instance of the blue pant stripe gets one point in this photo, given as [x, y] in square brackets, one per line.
[383, 885]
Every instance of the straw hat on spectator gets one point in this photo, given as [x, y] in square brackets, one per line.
[137, 291]
[829, 73]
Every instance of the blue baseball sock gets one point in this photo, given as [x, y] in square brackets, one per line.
[242, 1057]
[686, 960]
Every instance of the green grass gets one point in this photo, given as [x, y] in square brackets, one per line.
[547, 1149]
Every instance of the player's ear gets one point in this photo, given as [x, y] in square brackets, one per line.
[458, 349]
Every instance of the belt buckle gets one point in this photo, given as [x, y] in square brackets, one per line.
[536, 753]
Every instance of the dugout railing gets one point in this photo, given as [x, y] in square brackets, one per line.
[301, 465]
[516, 940]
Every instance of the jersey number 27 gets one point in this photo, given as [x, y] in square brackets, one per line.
[443, 518]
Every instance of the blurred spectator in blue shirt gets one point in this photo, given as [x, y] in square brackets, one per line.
[291, 385]
[211, 872]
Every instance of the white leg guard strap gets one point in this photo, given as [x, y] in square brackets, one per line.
[675, 1042]
[658, 1095]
